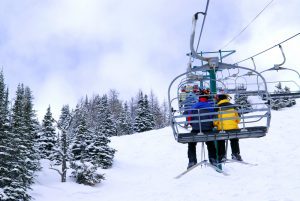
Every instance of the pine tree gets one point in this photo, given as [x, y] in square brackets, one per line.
[114, 104]
[33, 127]
[287, 89]
[23, 161]
[149, 119]
[124, 122]
[47, 138]
[83, 170]
[104, 117]
[99, 151]
[139, 124]
[281, 102]
[278, 88]
[61, 145]
[241, 100]
[6, 148]
[144, 120]
[86, 173]
[78, 146]
[61, 154]
[65, 117]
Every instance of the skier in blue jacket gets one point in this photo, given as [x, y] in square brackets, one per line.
[202, 107]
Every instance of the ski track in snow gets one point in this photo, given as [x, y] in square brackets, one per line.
[145, 166]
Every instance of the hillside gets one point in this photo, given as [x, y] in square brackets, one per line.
[146, 164]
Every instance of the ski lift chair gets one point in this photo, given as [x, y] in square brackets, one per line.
[254, 123]
[277, 67]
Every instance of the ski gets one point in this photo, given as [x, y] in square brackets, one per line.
[202, 163]
[189, 169]
[242, 162]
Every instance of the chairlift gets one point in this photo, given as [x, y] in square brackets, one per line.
[285, 94]
[239, 85]
[254, 123]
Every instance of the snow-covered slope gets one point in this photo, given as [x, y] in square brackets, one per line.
[146, 164]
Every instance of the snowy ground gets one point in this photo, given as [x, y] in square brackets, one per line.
[146, 164]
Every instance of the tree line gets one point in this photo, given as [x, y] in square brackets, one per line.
[77, 142]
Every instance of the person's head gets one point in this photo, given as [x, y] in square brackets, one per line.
[220, 97]
[203, 96]
[206, 91]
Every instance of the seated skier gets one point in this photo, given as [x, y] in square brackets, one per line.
[202, 107]
[227, 124]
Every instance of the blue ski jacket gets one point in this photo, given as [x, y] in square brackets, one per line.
[202, 108]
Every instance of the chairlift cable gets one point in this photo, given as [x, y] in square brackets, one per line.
[248, 24]
[268, 48]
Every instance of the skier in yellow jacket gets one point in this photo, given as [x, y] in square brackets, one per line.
[228, 110]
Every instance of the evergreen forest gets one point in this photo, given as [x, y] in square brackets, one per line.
[77, 142]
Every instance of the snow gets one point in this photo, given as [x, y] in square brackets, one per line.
[146, 163]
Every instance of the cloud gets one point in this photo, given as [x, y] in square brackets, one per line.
[66, 49]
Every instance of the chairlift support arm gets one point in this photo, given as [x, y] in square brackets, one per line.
[276, 66]
[253, 63]
[212, 61]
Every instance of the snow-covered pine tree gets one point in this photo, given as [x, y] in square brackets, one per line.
[61, 152]
[23, 161]
[278, 103]
[278, 89]
[144, 120]
[47, 137]
[287, 89]
[241, 100]
[88, 107]
[65, 117]
[99, 152]
[139, 122]
[104, 117]
[78, 145]
[149, 119]
[114, 104]
[281, 102]
[289, 102]
[61, 145]
[124, 122]
[33, 128]
[84, 171]
[6, 148]
[57, 150]
[93, 114]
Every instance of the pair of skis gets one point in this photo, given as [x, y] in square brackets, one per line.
[217, 168]
[205, 163]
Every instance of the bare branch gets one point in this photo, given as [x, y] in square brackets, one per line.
[59, 172]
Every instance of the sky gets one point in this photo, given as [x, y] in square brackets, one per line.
[66, 49]
[146, 170]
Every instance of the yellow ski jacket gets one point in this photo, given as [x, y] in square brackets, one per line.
[227, 110]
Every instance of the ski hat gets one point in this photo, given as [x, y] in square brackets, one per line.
[220, 97]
